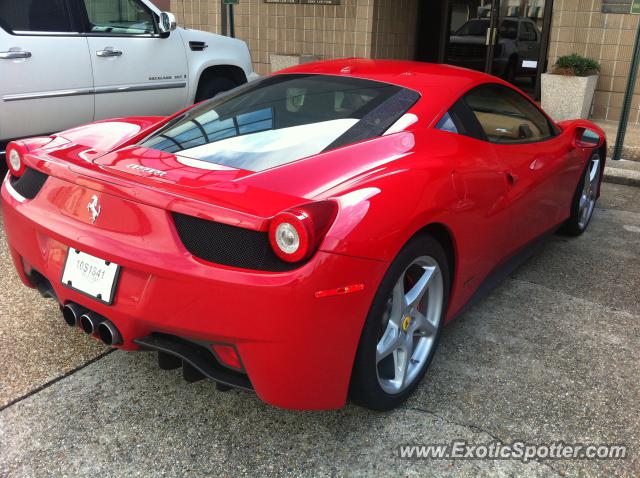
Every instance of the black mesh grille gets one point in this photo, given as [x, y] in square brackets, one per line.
[29, 184]
[229, 245]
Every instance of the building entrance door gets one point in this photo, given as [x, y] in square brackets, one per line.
[507, 38]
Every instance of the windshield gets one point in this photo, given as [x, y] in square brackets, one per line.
[283, 118]
[508, 29]
[473, 28]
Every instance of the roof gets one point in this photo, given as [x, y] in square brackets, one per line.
[410, 74]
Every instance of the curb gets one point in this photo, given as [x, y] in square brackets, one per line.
[621, 176]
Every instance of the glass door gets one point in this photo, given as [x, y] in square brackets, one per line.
[507, 38]
[518, 49]
[470, 26]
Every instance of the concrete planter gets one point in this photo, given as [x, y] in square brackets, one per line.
[568, 97]
[280, 61]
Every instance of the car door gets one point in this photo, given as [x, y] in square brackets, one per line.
[136, 70]
[533, 157]
[481, 208]
[46, 82]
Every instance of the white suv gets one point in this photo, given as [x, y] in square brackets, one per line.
[69, 62]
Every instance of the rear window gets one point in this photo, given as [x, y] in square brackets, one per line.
[34, 16]
[280, 119]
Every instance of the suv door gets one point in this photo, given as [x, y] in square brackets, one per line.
[528, 47]
[535, 160]
[46, 83]
[136, 70]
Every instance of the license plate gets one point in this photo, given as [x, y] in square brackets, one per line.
[90, 275]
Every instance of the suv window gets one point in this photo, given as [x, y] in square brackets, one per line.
[283, 118]
[506, 116]
[119, 17]
[528, 32]
[508, 29]
[35, 16]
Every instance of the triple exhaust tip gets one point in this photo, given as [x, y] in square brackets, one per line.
[109, 333]
[71, 313]
[91, 323]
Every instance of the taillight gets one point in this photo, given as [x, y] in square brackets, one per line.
[16, 150]
[295, 234]
[15, 158]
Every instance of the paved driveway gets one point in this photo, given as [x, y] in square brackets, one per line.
[552, 354]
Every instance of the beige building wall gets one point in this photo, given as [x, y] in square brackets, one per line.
[362, 28]
[578, 26]
[394, 29]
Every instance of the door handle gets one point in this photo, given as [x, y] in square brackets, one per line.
[14, 55]
[490, 39]
[511, 178]
[108, 53]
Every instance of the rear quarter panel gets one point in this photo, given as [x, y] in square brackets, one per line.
[380, 211]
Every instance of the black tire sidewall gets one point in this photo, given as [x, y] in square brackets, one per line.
[365, 389]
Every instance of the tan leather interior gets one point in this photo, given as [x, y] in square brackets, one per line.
[506, 128]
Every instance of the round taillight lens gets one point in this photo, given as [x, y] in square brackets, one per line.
[287, 238]
[15, 153]
[290, 235]
[15, 162]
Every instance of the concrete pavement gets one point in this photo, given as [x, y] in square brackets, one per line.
[34, 347]
[552, 354]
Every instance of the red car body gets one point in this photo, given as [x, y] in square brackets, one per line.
[295, 331]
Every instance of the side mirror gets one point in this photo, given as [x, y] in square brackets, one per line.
[587, 138]
[167, 23]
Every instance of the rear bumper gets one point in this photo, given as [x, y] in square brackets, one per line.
[297, 350]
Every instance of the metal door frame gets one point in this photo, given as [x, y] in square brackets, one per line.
[490, 39]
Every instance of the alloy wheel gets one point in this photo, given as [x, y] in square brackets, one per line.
[410, 325]
[589, 192]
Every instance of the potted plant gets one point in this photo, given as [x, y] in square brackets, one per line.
[567, 92]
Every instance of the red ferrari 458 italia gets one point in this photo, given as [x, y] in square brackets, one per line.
[306, 235]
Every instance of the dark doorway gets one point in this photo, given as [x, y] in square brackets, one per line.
[432, 31]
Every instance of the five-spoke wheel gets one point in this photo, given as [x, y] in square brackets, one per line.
[409, 324]
[589, 194]
[403, 326]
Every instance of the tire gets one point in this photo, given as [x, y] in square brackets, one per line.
[374, 381]
[212, 87]
[585, 196]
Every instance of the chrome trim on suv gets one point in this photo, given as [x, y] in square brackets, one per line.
[101, 90]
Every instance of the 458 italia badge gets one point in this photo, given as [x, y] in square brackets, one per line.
[94, 209]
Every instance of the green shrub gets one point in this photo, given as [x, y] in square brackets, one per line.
[576, 65]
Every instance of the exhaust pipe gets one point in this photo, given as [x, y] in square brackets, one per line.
[71, 313]
[109, 333]
[89, 322]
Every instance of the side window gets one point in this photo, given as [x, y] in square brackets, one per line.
[506, 116]
[528, 32]
[35, 16]
[508, 30]
[119, 17]
[459, 119]
[447, 124]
